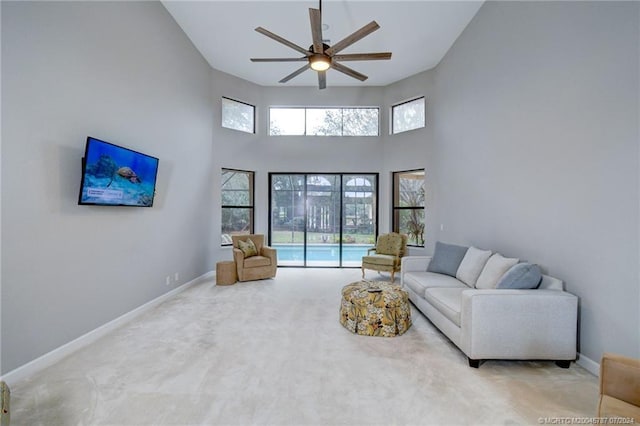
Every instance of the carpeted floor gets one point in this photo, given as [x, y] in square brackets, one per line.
[273, 353]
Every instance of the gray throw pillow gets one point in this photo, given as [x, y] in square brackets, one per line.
[521, 276]
[447, 258]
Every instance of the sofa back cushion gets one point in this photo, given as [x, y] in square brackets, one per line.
[496, 267]
[521, 276]
[471, 265]
[446, 259]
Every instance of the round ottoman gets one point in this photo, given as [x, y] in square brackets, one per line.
[373, 308]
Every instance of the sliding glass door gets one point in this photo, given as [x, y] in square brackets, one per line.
[359, 211]
[322, 220]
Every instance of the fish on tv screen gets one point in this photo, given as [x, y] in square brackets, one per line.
[117, 176]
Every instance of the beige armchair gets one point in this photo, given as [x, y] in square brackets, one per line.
[387, 254]
[619, 387]
[253, 264]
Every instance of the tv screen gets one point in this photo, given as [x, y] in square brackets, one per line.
[117, 176]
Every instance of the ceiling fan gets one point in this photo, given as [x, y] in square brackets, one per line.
[320, 56]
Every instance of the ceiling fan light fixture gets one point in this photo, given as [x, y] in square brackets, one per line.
[320, 62]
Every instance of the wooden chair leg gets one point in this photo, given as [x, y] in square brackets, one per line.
[392, 274]
[362, 271]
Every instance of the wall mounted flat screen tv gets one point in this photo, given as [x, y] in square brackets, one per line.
[116, 176]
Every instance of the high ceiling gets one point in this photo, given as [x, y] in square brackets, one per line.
[418, 33]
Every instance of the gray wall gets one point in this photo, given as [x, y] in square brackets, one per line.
[535, 126]
[126, 73]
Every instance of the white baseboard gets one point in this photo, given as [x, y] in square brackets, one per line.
[588, 364]
[57, 354]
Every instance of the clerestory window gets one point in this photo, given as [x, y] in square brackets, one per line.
[408, 115]
[339, 121]
[238, 115]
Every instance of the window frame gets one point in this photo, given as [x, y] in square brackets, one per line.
[306, 124]
[396, 208]
[251, 206]
[253, 107]
[394, 106]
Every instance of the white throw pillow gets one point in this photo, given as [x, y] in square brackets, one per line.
[496, 267]
[472, 265]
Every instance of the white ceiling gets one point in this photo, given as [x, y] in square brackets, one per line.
[418, 33]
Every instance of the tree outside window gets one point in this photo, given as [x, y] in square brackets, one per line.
[237, 203]
[238, 115]
[408, 116]
[408, 205]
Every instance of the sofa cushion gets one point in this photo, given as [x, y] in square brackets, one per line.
[420, 281]
[248, 248]
[447, 300]
[471, 265]
[521, 275]
[496, 267]
[446, 258]
[379, 259]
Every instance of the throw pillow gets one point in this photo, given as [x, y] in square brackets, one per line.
[446, 258]
[248, 248]
[495, 268]
[522, 275]
[471, 265]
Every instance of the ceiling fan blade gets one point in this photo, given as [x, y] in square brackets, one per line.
[295, 73]
[322, 80]
[348, 71]
[349, 40]
[282, 40]
[362, 56]
[278, 59]
[316, 29]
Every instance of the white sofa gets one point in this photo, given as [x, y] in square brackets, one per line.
[505, 324]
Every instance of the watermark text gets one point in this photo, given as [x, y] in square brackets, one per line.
[585, 420]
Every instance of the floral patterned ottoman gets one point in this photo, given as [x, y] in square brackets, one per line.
[373, 308]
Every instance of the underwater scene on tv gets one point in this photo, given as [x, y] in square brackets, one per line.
[117, 176]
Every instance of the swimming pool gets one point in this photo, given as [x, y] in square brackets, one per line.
[321, 254]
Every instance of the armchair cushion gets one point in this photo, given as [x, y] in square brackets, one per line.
[248, 248]
[380, 259]
[255, 261]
